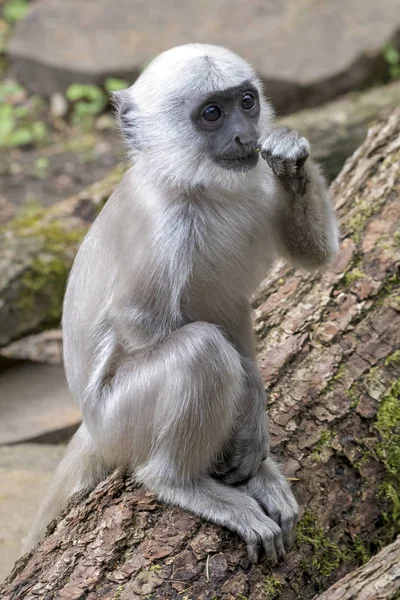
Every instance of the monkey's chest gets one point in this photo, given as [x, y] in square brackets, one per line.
[217, 288]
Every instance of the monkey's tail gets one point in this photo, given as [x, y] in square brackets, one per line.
[81, 469]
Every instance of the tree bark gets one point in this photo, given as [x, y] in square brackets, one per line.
[377, 580]
[328, 349]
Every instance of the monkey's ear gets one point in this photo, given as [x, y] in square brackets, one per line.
[127, 115]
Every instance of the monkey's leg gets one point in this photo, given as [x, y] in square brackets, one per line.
[272, 491]
[171, 407]
[248, 444]
[247, 457]
[80, 469]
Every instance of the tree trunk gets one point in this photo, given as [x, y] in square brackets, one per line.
[328, 351]
[377, 580]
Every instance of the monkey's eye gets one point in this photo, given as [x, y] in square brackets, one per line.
[211, 113]
[248, 101]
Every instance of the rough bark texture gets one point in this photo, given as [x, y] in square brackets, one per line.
[377, 580]
[328, 351]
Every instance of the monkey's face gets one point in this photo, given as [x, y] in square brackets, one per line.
[194, 117]
[227, 126]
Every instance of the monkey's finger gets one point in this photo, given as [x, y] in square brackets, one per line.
[253, 546]
[288, 530]
[270, 552]
[279, 546]
[301, 161]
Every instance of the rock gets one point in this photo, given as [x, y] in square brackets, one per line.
[45, 347]
[307, 51]
[6, 209]
[337, 128]
[36, 405]
[25, 472]
[58, 105]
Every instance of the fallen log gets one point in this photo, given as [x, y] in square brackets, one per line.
[328, 349]
[37, 248]
[377, 580]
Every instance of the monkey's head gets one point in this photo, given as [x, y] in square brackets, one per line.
[194, 116]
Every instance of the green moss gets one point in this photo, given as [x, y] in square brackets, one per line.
[45, 279]
[155, 568]
[388, 426]
[386, 450]
[352, 276]
[392, 359]
[396, 238]
[336, 377]
[272, 588]
[390, 286]
[325, 438]
[118, 592]
[359, 551]
[326, 555]
[354, 395]
[357, 223]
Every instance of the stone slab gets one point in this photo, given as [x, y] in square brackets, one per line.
[35, 404]
[25, 473]
[296, 45]
[43, 347]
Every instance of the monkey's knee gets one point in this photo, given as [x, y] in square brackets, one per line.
[207, 352]
[197, 407]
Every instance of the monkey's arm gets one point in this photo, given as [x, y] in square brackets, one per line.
[304, 224]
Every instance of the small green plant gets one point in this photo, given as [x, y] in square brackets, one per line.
[88, 101]
[272, 588]
[40, 167]
[392, 57]
[16, 130]
[14, 10]
[114, 85]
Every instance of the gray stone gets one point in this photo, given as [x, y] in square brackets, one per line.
[25, 473]
[44, 347]
[36, 405]
[307, 51]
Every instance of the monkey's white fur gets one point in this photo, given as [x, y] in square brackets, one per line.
[159, 350]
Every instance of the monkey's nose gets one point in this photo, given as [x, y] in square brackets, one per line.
[244, 141]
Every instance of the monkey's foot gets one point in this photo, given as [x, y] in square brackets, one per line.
[272, 491]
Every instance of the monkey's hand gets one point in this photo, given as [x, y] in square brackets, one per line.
[286, 152]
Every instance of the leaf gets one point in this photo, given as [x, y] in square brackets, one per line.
[15, 10]
[114, 85]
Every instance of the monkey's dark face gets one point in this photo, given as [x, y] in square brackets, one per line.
[227, 122]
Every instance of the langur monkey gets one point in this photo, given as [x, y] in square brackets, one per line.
[158, 342]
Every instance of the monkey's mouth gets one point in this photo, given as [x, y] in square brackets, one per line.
[243, 162]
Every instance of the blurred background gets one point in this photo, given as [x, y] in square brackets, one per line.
[331, 68]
